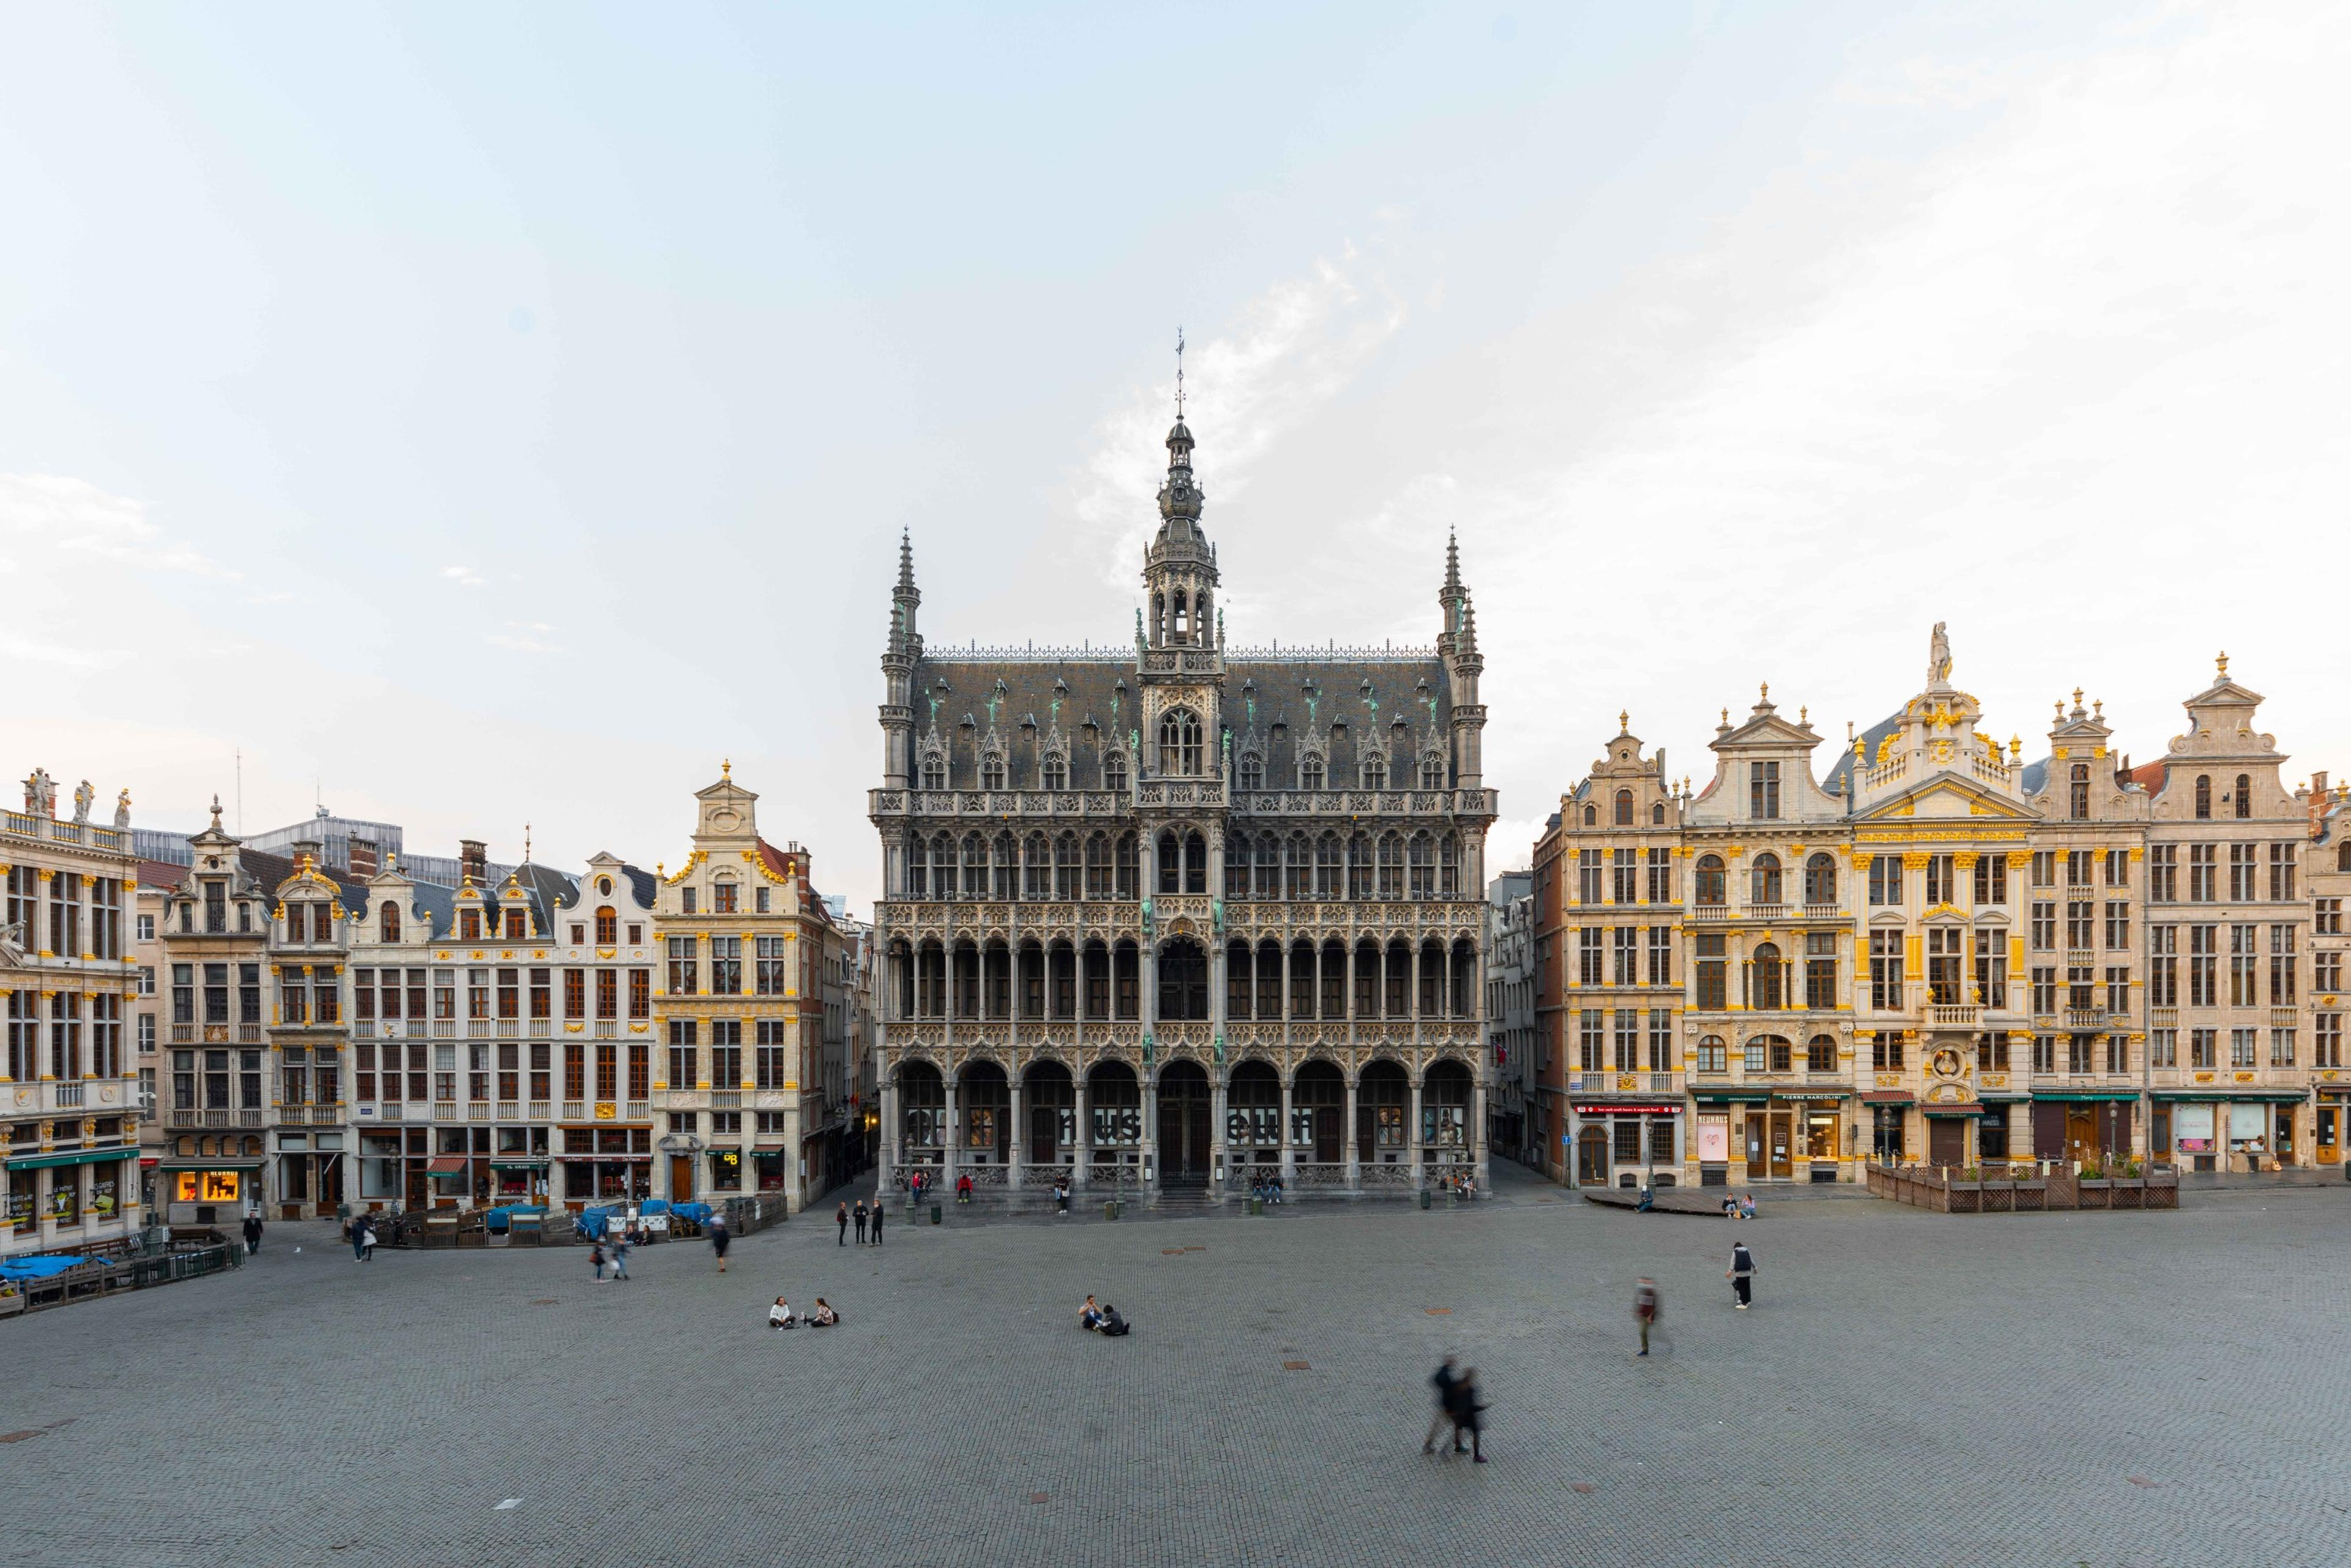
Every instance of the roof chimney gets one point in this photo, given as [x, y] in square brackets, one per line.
[2318, 799]
[474, 860]
[364, 860]
[310, 847]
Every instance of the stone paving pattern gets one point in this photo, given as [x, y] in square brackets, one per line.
[1910, 1388]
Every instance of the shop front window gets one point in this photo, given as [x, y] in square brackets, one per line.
[105, 1193]
[22, 1215]
[207, 1187]
[1820, 1134]
[65, 1195]
[727, 1170]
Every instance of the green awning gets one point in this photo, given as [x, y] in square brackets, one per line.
[80, 1157]
[2080, 1094]
[1734, 1097]
[2213, 1095]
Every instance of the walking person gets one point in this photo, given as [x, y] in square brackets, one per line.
[1468, 1414]
[877, 1220]
[596, 1257]
[367, 1242]
[719, 1239]
[620, 1259]
[1645, 1308]
[842, 1217]
[356, 1233]
[1444, 1379]
[862, 1218]
[252, 1232]
[1742, 1274]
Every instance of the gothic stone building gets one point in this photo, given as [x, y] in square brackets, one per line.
[1177, 918]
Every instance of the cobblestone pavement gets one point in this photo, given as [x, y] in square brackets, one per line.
[1909, 1388]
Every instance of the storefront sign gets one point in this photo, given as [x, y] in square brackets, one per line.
[1713, 1138]
[2193, 1129]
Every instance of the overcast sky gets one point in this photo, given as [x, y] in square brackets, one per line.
[490, 415]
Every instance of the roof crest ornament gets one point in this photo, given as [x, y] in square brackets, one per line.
[1179, 373]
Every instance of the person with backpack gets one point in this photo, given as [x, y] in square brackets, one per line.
[1742, 1275]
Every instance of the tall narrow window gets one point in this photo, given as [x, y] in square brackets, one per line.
[1623, 808]
[1763, 791]
[2203, 796]
[2243, 796]
[1179, 743]
[2077, 804]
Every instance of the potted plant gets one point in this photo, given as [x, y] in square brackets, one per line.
[2094, 1189]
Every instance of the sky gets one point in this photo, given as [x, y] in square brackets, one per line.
[471, 417]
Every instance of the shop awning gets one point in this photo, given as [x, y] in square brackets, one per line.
[444, 1166]
[78, 1158]
[602, 1159]
[1811, 1093]
[1733, 1096]
[2208, 1093]
[2082, 1094]
[1627, 1108]
[519, 1163]
[1889, 1097]
[1952, 1110]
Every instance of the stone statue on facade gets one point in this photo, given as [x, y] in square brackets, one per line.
[40, 794]
[84, 799]
[122, 813]
[1939, 659]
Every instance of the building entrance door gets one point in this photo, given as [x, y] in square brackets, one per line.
[2329, 1129]
[2081, 1133]
[1772, 1145]
[1946, 1142]
[1183, 1126]
[1592, 1154]
[681, 1178]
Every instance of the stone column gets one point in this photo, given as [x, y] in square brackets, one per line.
[890, 1130]
[954, 1133]
[1352, 1147]
[1219, 1150]
[1288, 1144]
[1412, 1141]
[1150, 1150]
[1477, 1127]
[1085, 1151]
[1013, 1177]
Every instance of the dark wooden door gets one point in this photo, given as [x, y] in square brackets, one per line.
[1783, 1150]
[1946, 1142]
[681, 1178]
[1326, 1135]
[1183, 1125]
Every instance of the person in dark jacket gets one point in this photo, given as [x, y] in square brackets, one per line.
[860, 1220]
[877, 1220]
[719, 1239]
[841, 1214]
[252, 1234]
[357, 1234]
[1467, 1413]
[1742, 1274]
[1444, 1378]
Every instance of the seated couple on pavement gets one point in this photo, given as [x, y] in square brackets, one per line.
[1101, 1320]
[780, 1316]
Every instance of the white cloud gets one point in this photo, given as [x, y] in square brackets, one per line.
[523, 637]
[75, 517]
[464, 576]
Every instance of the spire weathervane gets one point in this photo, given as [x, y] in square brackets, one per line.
[1180, 375]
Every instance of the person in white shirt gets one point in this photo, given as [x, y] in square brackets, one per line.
[779, 1316]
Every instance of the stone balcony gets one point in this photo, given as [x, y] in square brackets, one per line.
[86, 1096]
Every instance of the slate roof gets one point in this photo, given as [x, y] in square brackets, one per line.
[1100, 705]
[1840, 779]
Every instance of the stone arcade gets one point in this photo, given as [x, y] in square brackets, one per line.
[1169, 920]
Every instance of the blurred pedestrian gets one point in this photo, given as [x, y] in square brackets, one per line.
[1468, 1414]
[252, 1232]
[621, 1258]
[719, 1239]
[841, 1214]
[356, 1232]
[877, 1220]
[1644, 1308]
[1444, 1379]
[596, 1258]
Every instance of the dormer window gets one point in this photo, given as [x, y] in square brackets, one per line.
[1057, 773]
[991, 773]
[469, 924]
[934, 772]
[1310, 773]
[2077, 801]
[1115, 772]
[1763, 791]
[1253, 773]
[1375, 772]
[1623, 808]
[1432, 773]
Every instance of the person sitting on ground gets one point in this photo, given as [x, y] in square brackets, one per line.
[824, 1317]
[779, 1316]
[1747, 1207]
[1730, 1205]
[1112, 1324]
[1648, 1200]
[1090, 1315]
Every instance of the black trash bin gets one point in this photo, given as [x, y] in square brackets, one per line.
[938, 1213]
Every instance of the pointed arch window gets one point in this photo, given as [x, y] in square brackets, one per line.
[1359, 866]
[2244, 801]
[1448, 867]
[918, 871]
[935, 771]
[1391, 865]
[1376, 771]
[1179, 743]
[1310, 772]
[1252, 772]
[1057, 773]
[1432, 773]
[991, 772]
[1328, 868]
[1421, 855]
[1115, 772]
